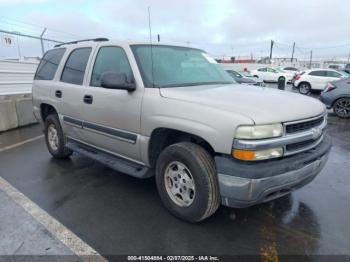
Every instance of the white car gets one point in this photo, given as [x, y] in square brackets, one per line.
[315, 79]
[269, 74]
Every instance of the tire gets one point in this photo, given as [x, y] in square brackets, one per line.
[304, 88]
[192, 163]
[256, 76]
[341, 107]
[281, 77]
[55, 143]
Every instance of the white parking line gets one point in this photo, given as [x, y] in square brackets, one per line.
[21, 143]
[59, 231]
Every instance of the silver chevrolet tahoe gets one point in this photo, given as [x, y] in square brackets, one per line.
[173, 113]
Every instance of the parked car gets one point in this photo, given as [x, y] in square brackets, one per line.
[268, 74]
[290, 69]
[335, 67]
[242, 79]
[175, 114]
[315, 79]
[347, 68]
[336, 95]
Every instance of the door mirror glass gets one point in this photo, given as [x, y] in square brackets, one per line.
[114, 80]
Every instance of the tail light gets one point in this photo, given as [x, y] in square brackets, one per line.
[297, 77]
[329, 87]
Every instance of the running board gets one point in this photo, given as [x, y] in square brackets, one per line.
[112, 161]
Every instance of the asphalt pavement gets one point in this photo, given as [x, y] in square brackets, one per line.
[116, 214]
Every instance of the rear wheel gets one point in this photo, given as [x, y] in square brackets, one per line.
[187, 182]
[305, 88]
[54, 138]
[341, 107]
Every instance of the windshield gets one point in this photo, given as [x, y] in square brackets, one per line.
[177, 66]
[345, 74]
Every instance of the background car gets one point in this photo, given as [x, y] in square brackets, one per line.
[290, 69]
[268, 74]
[242, 79]
[336, 95]
[315, 79]
[347, 68]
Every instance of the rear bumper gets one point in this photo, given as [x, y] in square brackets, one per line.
[326, 100]
[262, 182]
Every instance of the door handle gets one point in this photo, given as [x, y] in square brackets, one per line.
[88, 99]
[58, 93]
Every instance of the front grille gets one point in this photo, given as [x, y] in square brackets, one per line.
[302, 126]
[299, 145]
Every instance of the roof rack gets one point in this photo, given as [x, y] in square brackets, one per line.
[99, 39]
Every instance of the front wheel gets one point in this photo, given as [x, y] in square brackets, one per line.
[187, 182]
[305, 88]
[341, 107]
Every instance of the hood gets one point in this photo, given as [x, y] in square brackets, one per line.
[262, 104]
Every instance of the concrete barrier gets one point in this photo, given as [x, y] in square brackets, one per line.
[16, 111]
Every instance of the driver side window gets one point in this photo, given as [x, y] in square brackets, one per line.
[110, 59]
[262, 70]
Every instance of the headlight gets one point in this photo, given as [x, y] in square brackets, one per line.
[259, 131]
[257, 155]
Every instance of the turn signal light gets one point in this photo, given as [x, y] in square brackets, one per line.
[247, 155]
[243, 155]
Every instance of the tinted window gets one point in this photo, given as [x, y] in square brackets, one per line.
[74, 69]
[234, 74]
[333, 74]
[271, 70]
[318, 73]
[262, 69]
[48, 64]
[290, 69]
[110, 59]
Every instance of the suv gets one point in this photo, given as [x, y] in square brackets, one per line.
[315, 79]
[173, 112]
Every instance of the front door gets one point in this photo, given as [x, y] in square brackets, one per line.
[112, 116]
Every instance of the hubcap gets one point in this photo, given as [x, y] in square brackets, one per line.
[52, 137]
[342, 107]
[179, 184]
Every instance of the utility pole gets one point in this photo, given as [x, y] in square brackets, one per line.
[42, 41]
[310, 59]
[158, 37]
[291, 60]
[271, 48]
[349, 58]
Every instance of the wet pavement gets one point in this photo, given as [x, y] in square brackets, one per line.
[117, 214]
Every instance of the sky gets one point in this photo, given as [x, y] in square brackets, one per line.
[224, 28]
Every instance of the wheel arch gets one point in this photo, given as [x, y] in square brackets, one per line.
[46, 110]
[162, 137]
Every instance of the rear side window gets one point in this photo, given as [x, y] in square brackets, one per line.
[48, 64]
[262, 69]
[74, 69]
[318, 73]
[110, 59]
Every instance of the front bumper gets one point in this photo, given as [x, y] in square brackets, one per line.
[247, 184]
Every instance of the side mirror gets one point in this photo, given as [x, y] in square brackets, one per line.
[114, 80]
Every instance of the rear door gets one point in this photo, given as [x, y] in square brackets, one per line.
[69, 90]
[112, 117]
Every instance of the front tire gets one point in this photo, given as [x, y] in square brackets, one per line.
[187, 182]
[54, 138]
[341, 107]
[304, 88]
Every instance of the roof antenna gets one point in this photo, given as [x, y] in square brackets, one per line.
[150, 41]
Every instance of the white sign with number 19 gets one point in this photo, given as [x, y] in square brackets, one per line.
[8, 40]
